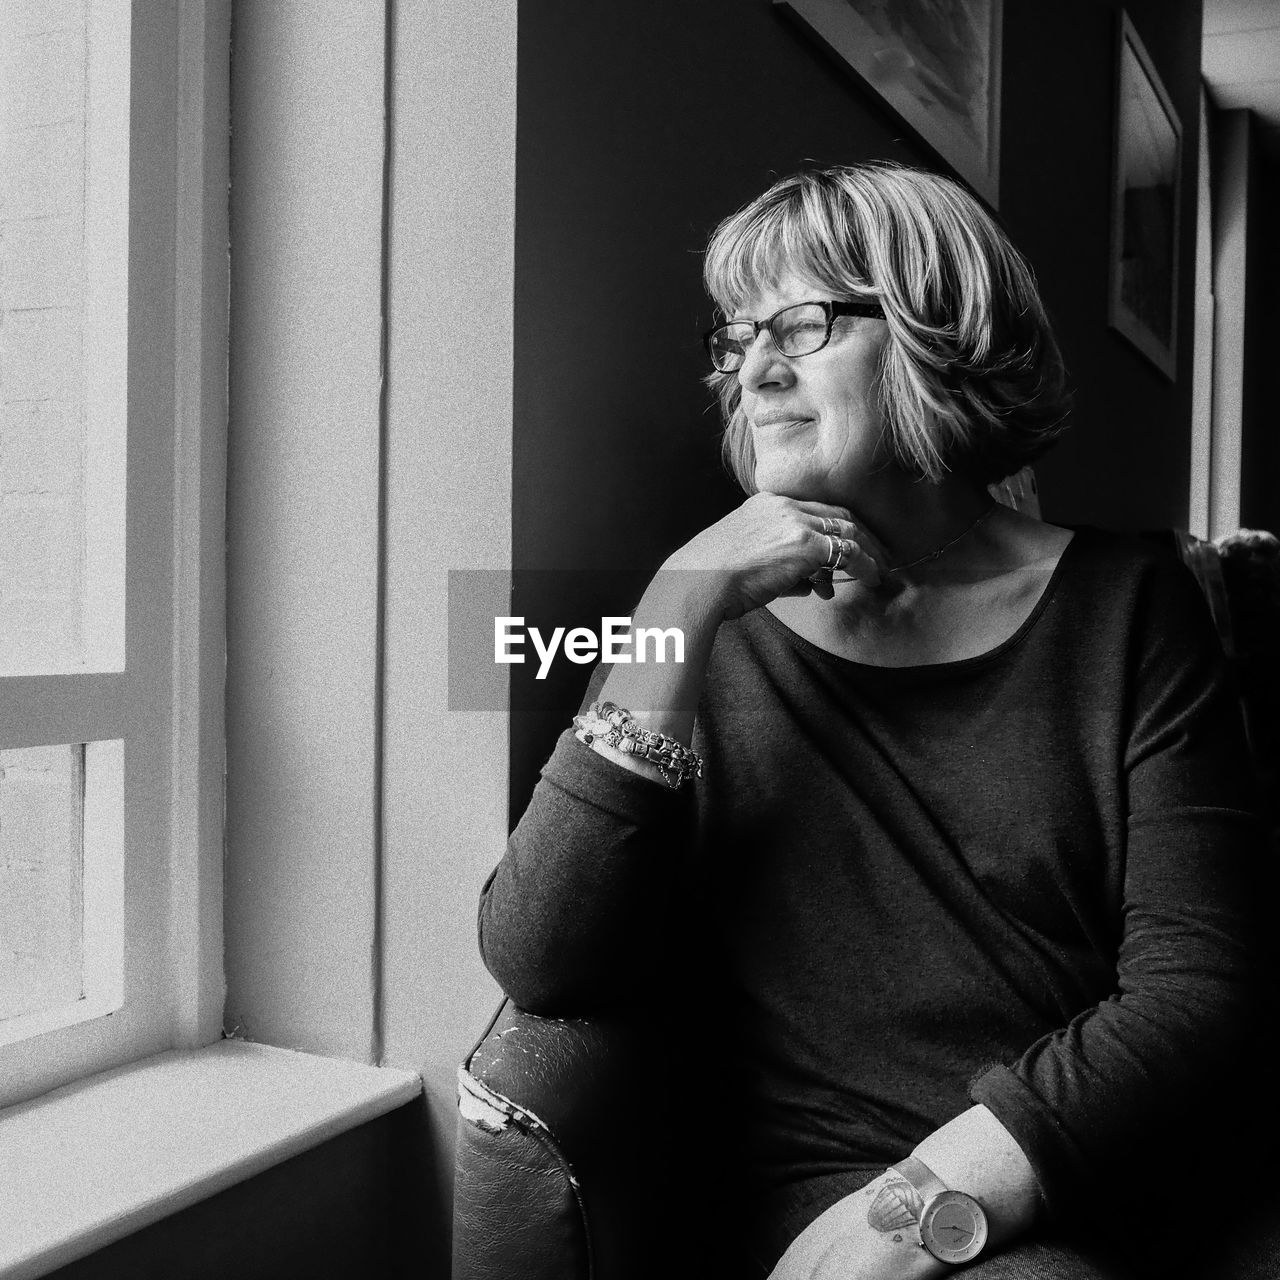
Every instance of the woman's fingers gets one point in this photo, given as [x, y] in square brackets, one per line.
[842, 552]
[869, 543]
[821, 509]
[818, 584]
[858, 564]
[837, 522]
[772, 546]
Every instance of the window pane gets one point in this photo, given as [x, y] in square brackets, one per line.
[41, 878]
[60, 242]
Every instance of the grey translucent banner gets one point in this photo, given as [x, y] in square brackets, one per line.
[544, 626]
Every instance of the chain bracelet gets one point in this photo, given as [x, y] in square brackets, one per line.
[616, 727]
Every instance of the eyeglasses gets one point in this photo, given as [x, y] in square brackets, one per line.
[798, 330]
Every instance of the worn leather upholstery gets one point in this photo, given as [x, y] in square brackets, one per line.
[562, 1139]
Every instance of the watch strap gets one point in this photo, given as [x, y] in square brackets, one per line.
[925, 1181]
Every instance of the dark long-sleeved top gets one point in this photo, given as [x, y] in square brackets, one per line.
[1023, 879]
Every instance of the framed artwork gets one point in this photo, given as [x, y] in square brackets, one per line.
[935, 63]
[1144, 206]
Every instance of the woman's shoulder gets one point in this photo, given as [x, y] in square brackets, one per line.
[1130, 558]
[1092, 544]
[1105, 588]
[1139, 580]
[1021, 545]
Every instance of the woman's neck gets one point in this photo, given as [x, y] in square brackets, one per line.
[957, 605]
[917, 522]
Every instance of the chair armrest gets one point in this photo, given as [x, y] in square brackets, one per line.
[561, 1136]
[576, 1076]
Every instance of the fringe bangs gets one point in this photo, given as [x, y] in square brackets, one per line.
[788, 230]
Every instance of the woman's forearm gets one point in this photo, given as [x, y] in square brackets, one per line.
[578, 916]
[579, 913]
[584, 908]
[874, 1233]
[976, 1154]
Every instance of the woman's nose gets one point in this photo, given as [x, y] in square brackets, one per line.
[763, 365]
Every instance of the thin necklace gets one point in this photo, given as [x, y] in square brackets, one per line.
[932, 555]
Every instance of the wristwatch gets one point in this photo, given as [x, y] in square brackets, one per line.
[953, 1226]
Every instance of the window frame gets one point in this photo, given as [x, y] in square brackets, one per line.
[167, 703]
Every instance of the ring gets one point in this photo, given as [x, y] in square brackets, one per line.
[829, 526]
[835, 553]
[846, 549]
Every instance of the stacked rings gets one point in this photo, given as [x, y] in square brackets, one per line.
[839, 548]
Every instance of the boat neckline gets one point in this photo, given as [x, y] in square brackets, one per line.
[1010, 642]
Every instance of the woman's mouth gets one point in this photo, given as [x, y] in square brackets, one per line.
[778, 422]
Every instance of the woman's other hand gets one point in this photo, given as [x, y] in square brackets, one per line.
[773, 546]
[859, 1239]
[849, 1241]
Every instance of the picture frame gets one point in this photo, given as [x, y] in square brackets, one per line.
[1145, 206]
[935, 65]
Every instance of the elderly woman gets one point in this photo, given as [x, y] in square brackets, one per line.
[946, 805]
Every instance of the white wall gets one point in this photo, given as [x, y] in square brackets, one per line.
[303, 524]
[362, 814]
[448, 507]
[1232, 179]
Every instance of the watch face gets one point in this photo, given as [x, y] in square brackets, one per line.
[953, 1227]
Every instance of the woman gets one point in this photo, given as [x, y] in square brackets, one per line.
[962, 832]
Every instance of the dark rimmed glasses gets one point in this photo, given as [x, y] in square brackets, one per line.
[798, 330]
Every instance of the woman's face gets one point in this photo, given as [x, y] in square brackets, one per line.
[814, 420]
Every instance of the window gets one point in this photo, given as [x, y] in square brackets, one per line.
[112, 377]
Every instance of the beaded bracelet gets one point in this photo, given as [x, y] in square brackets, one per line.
[616, 727]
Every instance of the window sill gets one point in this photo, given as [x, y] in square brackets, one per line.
[95, 1161]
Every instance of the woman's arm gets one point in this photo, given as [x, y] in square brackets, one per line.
[583, 908]
[579, 912]
[866, 1236]
[1158, 1067]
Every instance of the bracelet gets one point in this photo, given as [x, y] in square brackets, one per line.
[617, 728]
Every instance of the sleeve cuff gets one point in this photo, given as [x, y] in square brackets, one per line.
[588, 776]
[1057, 1163]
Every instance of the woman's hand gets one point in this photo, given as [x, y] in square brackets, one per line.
[772, 546]
[768, 547]
[874, 1235]
[856, 1239]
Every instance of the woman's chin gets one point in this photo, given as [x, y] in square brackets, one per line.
[787, 483]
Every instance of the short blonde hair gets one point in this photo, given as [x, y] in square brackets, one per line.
[970, 378]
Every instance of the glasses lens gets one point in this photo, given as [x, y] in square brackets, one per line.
[800, 330]
[728, 346]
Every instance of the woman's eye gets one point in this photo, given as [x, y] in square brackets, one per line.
[801, 333]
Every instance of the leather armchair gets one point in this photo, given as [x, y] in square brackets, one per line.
[564, 1159]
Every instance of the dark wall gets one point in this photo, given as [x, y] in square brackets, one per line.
[638, 130]
[1126, 462]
